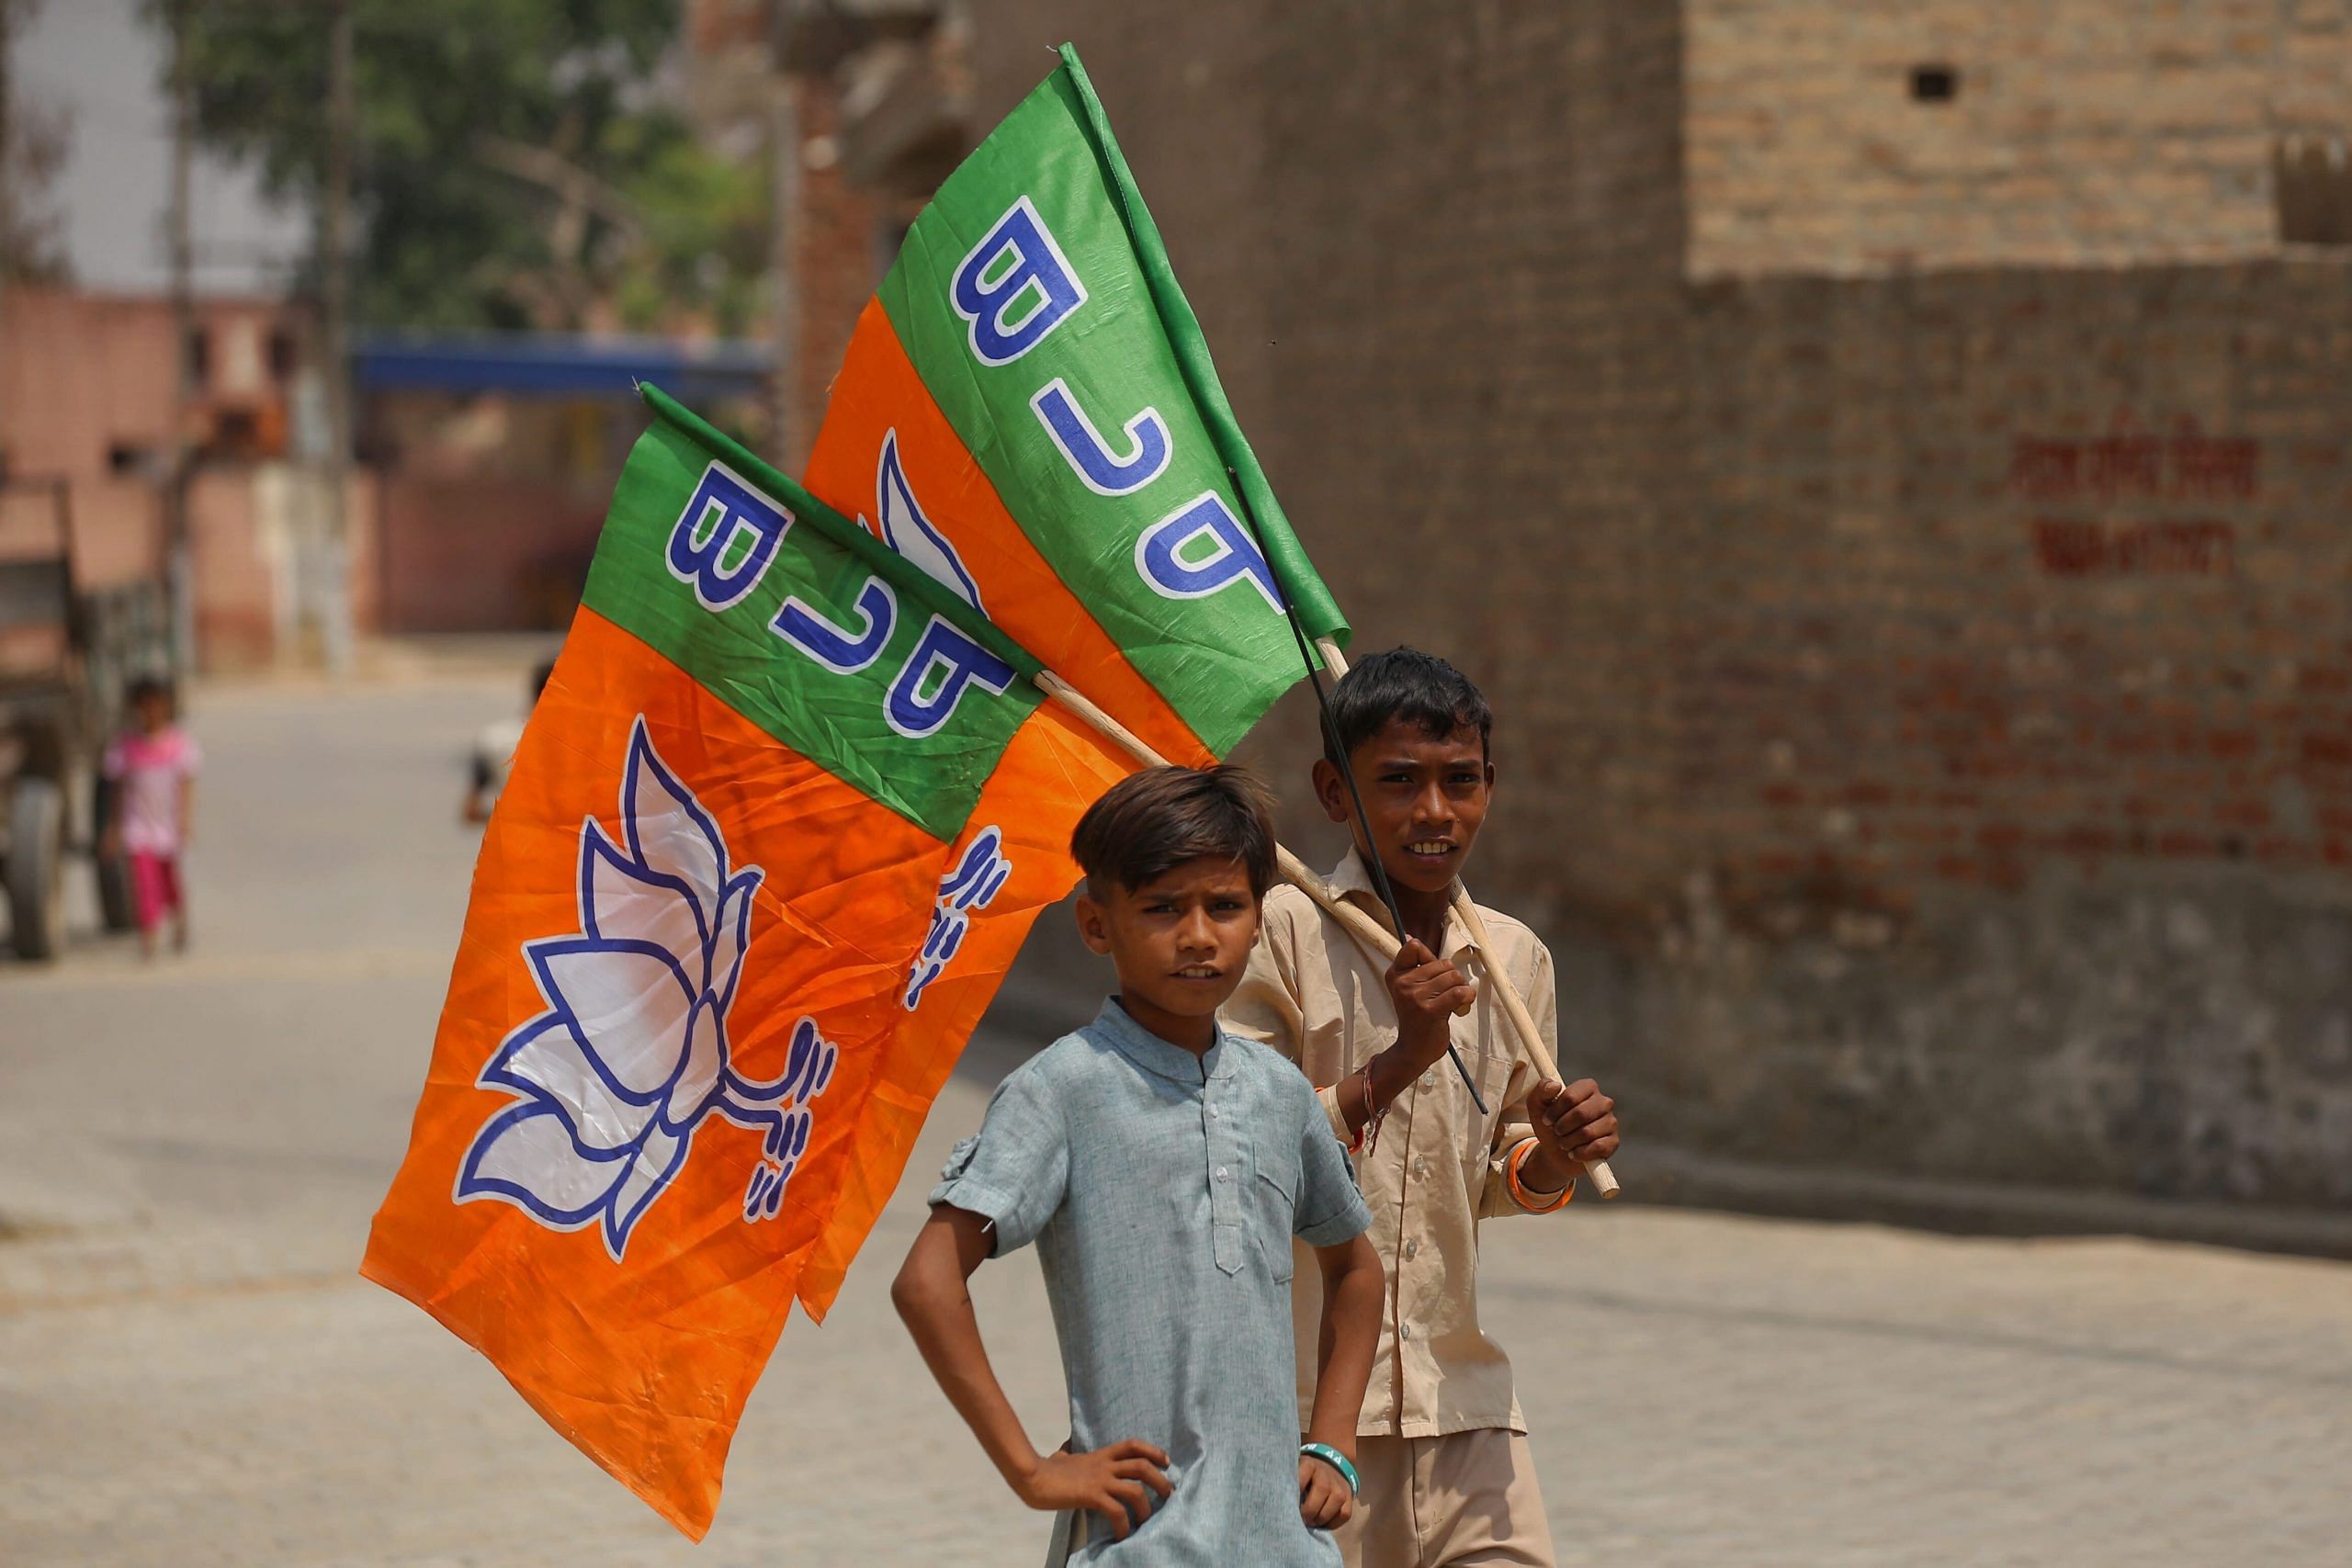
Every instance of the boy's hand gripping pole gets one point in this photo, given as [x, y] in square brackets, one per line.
[1375, 938]
[1604, 1180]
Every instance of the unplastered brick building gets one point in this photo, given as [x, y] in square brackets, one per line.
[1891, 464]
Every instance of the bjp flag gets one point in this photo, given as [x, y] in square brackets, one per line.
[795, 792]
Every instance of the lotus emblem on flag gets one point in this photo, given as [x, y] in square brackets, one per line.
[632, 1055]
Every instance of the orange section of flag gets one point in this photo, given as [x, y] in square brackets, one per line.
[610, 1191]
[1054, 770]
[887, 455]
[878, 398]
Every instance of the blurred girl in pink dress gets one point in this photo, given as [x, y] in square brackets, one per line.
[154, 764]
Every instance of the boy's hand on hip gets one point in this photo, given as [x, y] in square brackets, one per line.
[1428, 992]
[1575, 1124]
[1122, 1482]
[1324, 1500]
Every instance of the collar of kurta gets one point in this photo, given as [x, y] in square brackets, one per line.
[1352, 879]
[1156, 1055]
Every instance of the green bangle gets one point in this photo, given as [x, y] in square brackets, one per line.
[1337, 1460]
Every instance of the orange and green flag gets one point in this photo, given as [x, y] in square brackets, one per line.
[795, 795]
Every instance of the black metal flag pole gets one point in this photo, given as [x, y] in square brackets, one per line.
[1333, 749]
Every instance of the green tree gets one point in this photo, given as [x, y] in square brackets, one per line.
[517, 166]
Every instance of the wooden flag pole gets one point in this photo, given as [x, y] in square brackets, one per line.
[1604, 1180]
[1360, 925]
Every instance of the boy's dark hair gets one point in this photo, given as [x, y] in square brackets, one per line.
[1151, 822]
[143, 687]
[1407, 686]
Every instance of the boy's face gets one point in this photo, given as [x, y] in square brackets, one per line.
[1180, 942]
[154, 711]
[1425, 797]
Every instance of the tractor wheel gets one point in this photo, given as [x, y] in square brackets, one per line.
[37, 869]
[118, 909]
[116, 906]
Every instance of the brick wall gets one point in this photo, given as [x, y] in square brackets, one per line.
[482, 552]
[2071, 544]
[2081, 132]
[1926, 700]
[2013, 727]
[836, 261]
[1436, 281]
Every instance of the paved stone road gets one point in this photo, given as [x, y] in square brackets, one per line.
[191, 1374]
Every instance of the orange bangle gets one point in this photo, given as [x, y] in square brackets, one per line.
[1519, 1193]
[1369, 1134]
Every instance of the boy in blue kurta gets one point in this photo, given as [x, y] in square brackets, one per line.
[1162, 1167]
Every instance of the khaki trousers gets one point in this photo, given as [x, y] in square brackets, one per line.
[1467, 1500]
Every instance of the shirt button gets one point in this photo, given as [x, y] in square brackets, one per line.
[1413, 1249]
[1220, 1173]
[1404, 1331]
[1421, 1166]
[1428, 1081]
[1212, 1112]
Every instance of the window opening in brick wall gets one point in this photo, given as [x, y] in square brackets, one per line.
[2312, 179]
[1934, 83]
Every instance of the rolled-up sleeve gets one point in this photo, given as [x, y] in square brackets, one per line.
[1267, 1007]
[1264, 1007]
[1016, 1171]
[1515, 1125]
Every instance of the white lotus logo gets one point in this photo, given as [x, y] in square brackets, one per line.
[632, 1056]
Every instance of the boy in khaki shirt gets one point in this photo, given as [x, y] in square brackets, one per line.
[1442, 1452]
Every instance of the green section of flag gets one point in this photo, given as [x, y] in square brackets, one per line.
[837, 718]
[1221, 657]
[1318, 610]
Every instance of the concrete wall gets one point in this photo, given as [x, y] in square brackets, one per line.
[84, 376]
[117, 528]
[1926, 699]
[258, 531]
[87, 395]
